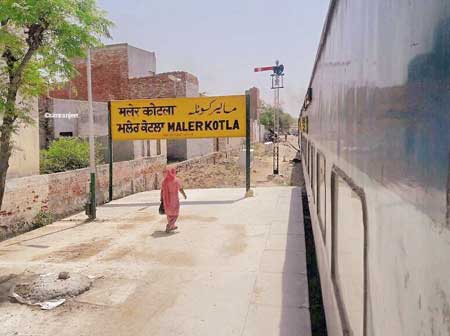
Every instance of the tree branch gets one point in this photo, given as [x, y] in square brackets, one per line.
[35, 35]
[10, 61]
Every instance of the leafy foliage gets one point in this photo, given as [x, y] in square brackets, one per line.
[38, 40]
[67, 154]
[266, 118]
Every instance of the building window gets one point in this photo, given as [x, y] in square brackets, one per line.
[66, 134]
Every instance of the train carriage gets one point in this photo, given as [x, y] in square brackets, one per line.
[376, 150]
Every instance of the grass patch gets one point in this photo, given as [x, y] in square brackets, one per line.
[43, 218]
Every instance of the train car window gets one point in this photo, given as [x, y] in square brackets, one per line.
[321, 192]
[309, 160]
[300, 141]
[311, 163]
[302, 144]
[304, 149]
[307, 157]
[448, 193]
[305, 152]
[312, 175]
[349, 251]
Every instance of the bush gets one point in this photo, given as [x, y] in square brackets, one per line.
[43, 218]
[67, 154]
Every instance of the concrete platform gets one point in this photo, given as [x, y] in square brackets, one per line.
[235, 267]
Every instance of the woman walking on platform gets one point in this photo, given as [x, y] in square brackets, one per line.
[171, 185]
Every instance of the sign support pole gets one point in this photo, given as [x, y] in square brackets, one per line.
[248, 191]
[92, 207]
[110, 151]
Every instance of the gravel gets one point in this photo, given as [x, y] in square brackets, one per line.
[49, 287]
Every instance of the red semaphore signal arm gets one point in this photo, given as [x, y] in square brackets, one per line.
[267, 68]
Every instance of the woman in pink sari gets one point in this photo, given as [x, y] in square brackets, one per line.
[171, 185]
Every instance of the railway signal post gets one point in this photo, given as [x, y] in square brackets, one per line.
[277, 84]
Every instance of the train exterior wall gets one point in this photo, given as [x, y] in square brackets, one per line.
[380, 116]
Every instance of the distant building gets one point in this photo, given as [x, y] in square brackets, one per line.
[24, 160]
[71, 118]
[121, 71]
[256, 129]
[255, 114]
[255, 103]
[115, 70]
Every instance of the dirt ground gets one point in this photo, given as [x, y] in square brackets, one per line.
[203, 274]
[226, 172]
[236, 266]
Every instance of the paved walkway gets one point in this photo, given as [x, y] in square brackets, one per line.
[236, 267]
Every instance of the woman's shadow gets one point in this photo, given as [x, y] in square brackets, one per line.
[163, 234]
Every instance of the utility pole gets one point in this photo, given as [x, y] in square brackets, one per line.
[92, 204]
[277, 84]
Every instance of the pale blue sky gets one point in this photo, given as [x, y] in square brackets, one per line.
[222, 41]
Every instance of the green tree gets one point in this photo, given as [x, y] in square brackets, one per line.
[286, 120]
[38, 39]
[68, 154]
[266, 118]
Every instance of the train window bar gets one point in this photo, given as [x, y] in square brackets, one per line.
[321, 196]
[336, 174]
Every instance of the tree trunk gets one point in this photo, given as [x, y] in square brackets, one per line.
[5, 154]
[34, 41]
[6, 132]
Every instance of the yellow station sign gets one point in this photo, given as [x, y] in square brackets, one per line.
[178, 118]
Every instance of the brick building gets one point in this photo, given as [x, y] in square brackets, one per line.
[255, 103]
[121, 71]
[255, 114]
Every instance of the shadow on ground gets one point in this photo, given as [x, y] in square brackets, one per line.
[150, 204]
[163, 234]
[316, 310]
